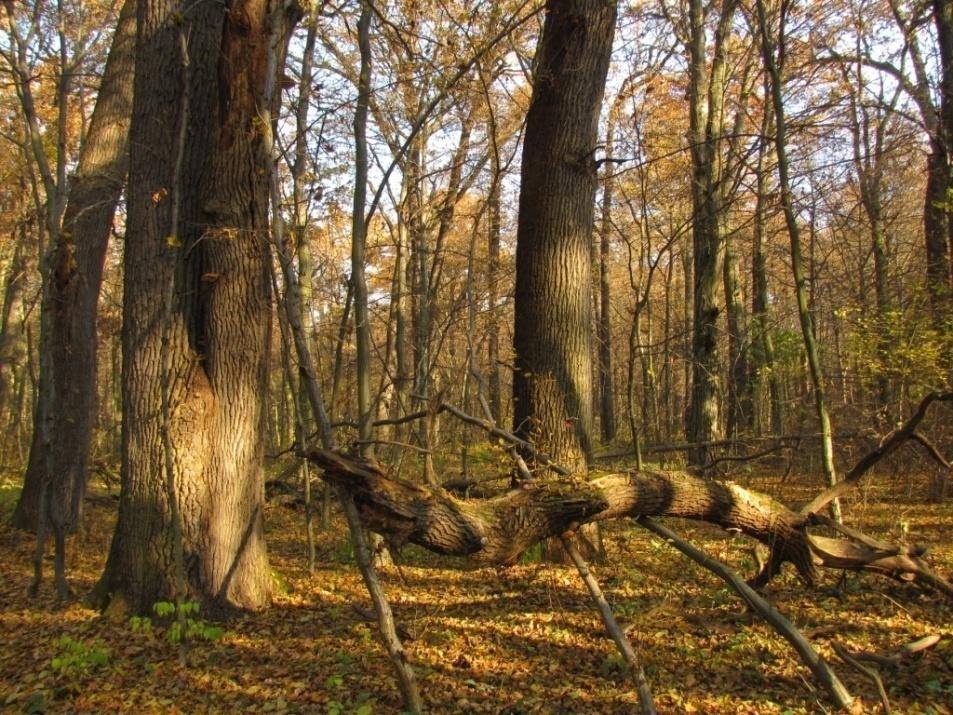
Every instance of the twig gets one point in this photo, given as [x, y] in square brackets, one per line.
[769, 613]
[506, 436]
[931, 449]
[887, 446]
[385, 617]
[745, 457]
[393, 443]
[612, 626]
[873, 675]
[369, 615]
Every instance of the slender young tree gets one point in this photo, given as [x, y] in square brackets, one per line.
[772, 51]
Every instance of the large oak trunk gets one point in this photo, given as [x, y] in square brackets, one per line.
[552, 390]
[216, 332]
[552, 381]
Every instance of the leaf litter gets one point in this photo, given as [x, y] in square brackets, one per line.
[523, 639]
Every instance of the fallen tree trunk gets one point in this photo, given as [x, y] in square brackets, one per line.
[498, 530]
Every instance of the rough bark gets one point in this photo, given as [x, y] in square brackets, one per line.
[552, 382]
[498, 530]
[940, 252]
[706, 129]
[67, 404]
[217, 332]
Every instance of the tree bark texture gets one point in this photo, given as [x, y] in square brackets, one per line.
[706, 128]
[218, 331]
[68, 396]
[940, 252]
[499, 529]
[552, 381]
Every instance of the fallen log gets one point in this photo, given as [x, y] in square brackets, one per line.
[498, 530]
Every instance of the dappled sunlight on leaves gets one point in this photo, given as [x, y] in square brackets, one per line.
[522, 639]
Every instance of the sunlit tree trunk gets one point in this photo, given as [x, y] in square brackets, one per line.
[15, 280]
[706, 129]
[552, 389]
[764, 367]
[359, 236]
[494, 388]
[197, 233]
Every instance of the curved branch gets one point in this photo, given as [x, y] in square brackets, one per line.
[498, 530]
[887, 446]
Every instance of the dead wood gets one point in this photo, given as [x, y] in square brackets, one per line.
[787, 630]
[869, 673]
[498, 530]
[888, 445]
[646, 704]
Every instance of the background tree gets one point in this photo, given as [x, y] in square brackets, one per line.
[66, 410]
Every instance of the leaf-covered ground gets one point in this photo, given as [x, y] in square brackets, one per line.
[516, 640]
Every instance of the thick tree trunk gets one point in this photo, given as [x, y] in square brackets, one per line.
[552, 382]
[215, 337]
[67, 404]
[940, 254]
[936, 231]
[498, 530]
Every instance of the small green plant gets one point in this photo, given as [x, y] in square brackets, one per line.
[194, 628]
[140, 624]
[532, 555]
[78, 658]
[189, 628]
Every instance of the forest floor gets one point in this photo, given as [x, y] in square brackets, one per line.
[523, 639]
